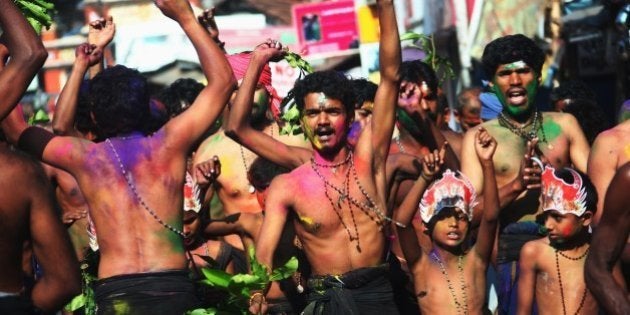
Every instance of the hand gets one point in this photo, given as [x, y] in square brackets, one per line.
[207, 171]
[68, 217]
[102, 32]
[206, 19]
[178, 10]
[270, 50]
[529, 173]
[432, 162]
[258, 304]
[88, 54]
[485, 145]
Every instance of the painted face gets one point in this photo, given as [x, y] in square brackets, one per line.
[363, 114]
[470, 115]
[515, 84]
[191, 227]
[451, 227]
[562, 227]
[325, 122]
[416, 96]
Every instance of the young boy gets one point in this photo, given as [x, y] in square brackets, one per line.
[552, 268]
[449, 279]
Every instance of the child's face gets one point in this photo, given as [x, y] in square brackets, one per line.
[451, 228]
[563, 227]
[191, 227]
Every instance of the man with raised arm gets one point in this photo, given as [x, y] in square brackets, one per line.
[337, 200]
[133, 181]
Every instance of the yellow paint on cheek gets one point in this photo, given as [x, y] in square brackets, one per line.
[626, 150]
[311, 135]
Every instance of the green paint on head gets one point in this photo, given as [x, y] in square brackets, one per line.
[552, 130]
[516, 111]
[515, 65]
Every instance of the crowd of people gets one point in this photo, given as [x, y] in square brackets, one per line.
[386, 208]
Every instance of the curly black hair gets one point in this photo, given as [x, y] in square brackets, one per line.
[573, 89]
[262, 171]
[179, 95]
[591, 194]
[417, 71]
[364, 90]
[332, 83]
[511, 48]
[590, 117]
[119, 100]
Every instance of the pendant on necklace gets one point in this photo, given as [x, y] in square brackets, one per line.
[300, 288]
[358, 248]
[342, 197]
[252, 189]
[333, 170]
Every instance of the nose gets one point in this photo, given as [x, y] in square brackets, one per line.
[515, 78]
[322, 119]
[452, 221]
[549, 225]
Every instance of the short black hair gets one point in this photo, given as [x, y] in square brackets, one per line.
[262, 171]
[332, 83]
[178, 96]
[511, 48]
[417, 71]
[364, 90]
[119, 100]
[573, 89]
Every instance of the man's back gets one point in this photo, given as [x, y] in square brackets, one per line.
[27, 215]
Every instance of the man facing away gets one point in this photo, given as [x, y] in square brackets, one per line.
[133, 182]
[514, 64]
[338, 198]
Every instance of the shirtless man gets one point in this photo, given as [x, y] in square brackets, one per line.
[118, 176]
[514, 65]
[338, 198]
[27, 213]
[607, 245]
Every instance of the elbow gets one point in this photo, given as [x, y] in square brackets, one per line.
[34, 57]
[231, 131]
[59, 129]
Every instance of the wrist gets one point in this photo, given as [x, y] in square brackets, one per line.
[257, 297]
[426, 177]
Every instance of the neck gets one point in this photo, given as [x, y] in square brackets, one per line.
[523, 119]
[331, 158]
[407, 137]
[447, 254]
[584, 237]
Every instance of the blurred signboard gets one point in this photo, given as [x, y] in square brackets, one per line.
[326, 27]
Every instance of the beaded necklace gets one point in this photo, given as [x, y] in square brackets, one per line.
[461, 307]
[399, 145]
[369, 207]
[131, 185]
[251, 188]
[564, 307]
[536, 124]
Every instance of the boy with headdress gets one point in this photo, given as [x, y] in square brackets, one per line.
[552, 268]
[450, 278]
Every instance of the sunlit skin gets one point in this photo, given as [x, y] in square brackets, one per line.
[325, 122]
[520, 80]
[539, 280]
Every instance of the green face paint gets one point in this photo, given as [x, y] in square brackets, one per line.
[515, 65]
[531, 90]
[407, 122]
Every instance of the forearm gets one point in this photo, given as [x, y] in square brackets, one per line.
[389, 50]
[490, 193]
[213, 63]
[20, 38]
[507, 194]
[238, 118]
[600, 282]
[407, 209]
[435, 139]
[51, 295]
[65, 109]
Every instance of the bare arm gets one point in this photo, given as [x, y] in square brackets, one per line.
[602, 163]
[382, 123]
[485, 146]
[238, 126]
[27, 56]
[101, 33]
[51, 245]
[527, 279]
[65, 110]
[579, 148]
[183, 130]
[608, 241]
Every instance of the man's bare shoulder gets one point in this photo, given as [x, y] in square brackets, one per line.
[535, 248]
[19, 167]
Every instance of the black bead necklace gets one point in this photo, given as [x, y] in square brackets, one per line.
[461, 307]
[564, 307]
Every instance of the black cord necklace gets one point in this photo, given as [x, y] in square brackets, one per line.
[564, 307]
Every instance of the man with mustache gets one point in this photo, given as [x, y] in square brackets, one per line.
[513, 64]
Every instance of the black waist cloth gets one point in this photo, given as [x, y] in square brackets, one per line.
[361, 291]
[166, 292]
[17, 305]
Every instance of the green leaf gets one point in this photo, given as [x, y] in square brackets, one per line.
[285, 271]
[76, 303]
[216, 278]
[411, 36]
[201, 311]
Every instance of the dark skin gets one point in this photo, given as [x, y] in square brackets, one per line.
[607, 244]
[28, 216]
[27, 52]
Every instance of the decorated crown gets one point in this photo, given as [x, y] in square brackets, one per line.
[449, 191]
[560, 196]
